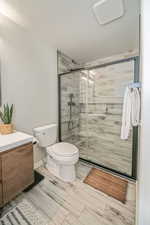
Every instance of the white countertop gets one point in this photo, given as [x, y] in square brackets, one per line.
[14, 140]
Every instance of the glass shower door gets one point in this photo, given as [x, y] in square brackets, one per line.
[105, 101]
[90, 117]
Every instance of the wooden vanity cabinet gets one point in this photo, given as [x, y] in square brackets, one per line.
[16, 172]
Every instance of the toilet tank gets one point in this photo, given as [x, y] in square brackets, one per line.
[46, 135]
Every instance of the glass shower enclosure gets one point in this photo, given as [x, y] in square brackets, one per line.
[90, 114]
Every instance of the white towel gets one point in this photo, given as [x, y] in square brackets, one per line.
[136, 102]
[131, 111]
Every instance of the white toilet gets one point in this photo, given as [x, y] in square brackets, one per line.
[61, 157]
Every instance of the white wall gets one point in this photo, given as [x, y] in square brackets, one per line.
[29, 78]
[144, 160]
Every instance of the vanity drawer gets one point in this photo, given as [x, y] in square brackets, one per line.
[17, 171]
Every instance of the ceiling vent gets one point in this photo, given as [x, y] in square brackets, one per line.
[107, 11]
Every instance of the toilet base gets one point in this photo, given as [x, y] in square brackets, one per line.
[67, 172]
[64, 172]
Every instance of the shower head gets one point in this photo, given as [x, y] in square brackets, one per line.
[71, 95]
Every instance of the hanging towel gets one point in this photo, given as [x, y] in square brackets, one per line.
[131, 111]
[126, 114]
[136, 102]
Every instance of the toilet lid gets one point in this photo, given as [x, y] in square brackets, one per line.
[64, 149]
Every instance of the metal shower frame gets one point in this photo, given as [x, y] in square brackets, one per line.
[135, 129]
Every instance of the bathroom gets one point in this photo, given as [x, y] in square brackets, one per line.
[65, 66]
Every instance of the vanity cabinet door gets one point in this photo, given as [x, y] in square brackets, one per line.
[17, 171]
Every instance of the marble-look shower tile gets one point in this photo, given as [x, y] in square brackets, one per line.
[101, 116]
[103, 144]
[70, 116]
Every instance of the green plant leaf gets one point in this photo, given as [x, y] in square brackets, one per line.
[6, 116]
[11, 112]
[2, 116]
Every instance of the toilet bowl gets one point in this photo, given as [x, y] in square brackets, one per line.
[61, 160]
[61, 157]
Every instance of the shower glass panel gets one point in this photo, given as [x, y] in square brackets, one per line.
[83, 128]
[69, 107]
[91, 103]
[106, 89]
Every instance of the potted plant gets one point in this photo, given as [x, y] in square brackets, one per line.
[6, 117]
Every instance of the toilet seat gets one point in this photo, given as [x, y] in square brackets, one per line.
[63, 149]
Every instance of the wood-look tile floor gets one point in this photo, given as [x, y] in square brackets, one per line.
[78, 203]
